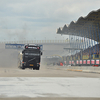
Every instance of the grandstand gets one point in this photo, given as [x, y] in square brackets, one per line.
[86, 32]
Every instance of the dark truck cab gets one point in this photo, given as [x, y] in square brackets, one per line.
[31, 57]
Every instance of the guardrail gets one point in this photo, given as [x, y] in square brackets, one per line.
[41, 41]
[37, 41]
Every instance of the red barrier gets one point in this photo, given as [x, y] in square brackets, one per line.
[88, 61]
[72, 62]
[80, 61]
[97, 62]
[69, 62]
[95, 65]
[84, 61]
[61, 64]
[92, 61]
[77, 62]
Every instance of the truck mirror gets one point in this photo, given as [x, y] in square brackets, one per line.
[41, 53]
[23, 51]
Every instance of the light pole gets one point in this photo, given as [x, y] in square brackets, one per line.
[34, 40]
[45, 39]
[55, 39]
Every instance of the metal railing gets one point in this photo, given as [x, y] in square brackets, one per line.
[43, 41]
[37, 41]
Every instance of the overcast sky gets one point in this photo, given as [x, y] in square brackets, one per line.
[39, 19]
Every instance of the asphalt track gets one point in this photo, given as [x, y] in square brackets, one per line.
[48, 84]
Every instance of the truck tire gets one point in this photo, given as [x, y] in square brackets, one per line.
[23, 68]
[37, 68]
[33, 68]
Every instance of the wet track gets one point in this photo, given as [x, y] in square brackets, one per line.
[48, 83]
[49, 87]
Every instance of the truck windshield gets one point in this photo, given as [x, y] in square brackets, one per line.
[32, 53]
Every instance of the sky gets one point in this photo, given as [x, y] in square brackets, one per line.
[39, 19]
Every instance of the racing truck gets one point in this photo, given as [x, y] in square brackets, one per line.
[30, 57]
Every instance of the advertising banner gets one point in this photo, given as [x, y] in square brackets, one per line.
[18, 46]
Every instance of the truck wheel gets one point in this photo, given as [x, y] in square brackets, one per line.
[37, 68]
[23, 68]
[33, 68]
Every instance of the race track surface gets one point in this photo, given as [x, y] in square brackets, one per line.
[48, 83]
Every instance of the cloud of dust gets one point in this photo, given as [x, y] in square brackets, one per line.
[8, 57]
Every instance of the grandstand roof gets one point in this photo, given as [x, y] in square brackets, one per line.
[88, 26]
